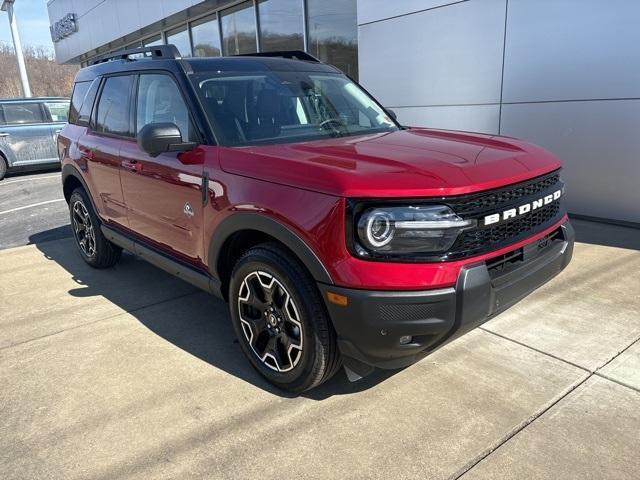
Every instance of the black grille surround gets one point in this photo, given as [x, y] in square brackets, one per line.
[479, 239]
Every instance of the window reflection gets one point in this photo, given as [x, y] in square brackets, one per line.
[153, 41]
[280, 25]
[180, 38]
[333, 33]
[239, 29]
[206, 37]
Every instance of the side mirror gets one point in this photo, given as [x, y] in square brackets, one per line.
[157, 138]
[392, 114]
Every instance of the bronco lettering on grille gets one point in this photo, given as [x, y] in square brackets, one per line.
[521, 209]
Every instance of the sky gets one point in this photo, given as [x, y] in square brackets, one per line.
[33, 23]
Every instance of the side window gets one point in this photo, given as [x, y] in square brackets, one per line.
[79, 91]
[113, 106]
[22, 113]
[84, 116]
[58, 111]
[159, 101]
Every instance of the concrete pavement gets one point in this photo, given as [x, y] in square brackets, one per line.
[130, 373]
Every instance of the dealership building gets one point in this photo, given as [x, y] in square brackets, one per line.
[564, 74]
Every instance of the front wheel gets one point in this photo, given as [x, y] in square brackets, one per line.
[3, 167]
[280, 320]
[94, 247]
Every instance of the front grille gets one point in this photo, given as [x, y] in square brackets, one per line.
[495, 199]
[484, 239]
[477, 241]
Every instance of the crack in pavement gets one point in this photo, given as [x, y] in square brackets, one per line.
[590, 373]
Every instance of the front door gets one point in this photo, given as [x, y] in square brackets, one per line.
[163, 194]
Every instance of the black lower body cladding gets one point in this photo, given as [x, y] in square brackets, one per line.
[393, 329]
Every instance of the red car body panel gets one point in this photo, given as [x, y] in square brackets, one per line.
[303, 186]
[405, 163]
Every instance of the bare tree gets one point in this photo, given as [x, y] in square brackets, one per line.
[46, 77]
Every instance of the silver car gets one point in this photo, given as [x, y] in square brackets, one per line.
[28, 131]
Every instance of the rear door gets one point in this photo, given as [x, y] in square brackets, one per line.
[25, 134]
[99, 147]
[163, 194]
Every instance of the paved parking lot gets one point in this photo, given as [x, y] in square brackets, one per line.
[130, 373]
[32, 208]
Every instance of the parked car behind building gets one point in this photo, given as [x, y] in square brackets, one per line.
[28, 131]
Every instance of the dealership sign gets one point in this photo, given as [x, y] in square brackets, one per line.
[63, 28]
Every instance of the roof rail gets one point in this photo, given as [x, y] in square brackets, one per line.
[162, 52]
[291, 54]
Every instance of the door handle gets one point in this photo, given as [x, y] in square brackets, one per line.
[87, 153]
[131, 165]
[4, 134]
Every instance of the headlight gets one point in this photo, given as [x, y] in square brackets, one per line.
[407, 230]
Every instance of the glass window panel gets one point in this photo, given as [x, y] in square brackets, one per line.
[153, 41]
[113, 111]
[239, 29]
[59, 111]
[84, 115]
[180, 38]
[265, 106]
[333, 33]
[80, 89]
[206, 37]
[160, 101]
[19, 113]
[280, 25]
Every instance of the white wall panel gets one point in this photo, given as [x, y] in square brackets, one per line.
[445, 56]
[169, 7]
[102, 21]
[599, 144]
[81, 7]
[131, 20]
[572, 49]
[471, 118]
[375, 10]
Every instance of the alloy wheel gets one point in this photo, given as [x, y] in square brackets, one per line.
[83, 229]
[270, 321]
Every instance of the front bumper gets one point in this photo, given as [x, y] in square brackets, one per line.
[369, 327]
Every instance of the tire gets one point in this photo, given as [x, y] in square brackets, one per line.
[94, 248]
[280, 320]
[3, 167]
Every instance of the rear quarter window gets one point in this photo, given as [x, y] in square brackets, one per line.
[80, 89]
[82, 100]
[58, 111]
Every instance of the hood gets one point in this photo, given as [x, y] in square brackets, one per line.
[406, 163]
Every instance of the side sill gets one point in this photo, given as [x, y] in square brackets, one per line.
[200, 280]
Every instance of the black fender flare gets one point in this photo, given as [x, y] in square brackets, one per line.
[71, 171]
[253, 221]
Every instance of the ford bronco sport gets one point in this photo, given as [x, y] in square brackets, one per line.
[337, 236]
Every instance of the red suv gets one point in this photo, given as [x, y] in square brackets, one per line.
[338, 236]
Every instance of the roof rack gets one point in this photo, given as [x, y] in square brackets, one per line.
[290, 54]
[162, 52]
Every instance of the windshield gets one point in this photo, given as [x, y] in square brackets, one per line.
[278, 107]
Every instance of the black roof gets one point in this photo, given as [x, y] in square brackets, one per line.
[163, 59]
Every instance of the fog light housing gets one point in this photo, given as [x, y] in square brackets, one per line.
[406, 339]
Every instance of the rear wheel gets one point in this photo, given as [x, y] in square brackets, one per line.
[280, 320]
[95, 249]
